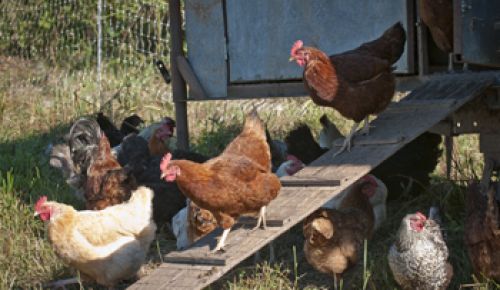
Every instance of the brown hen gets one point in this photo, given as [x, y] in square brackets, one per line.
[482, 232]
[438, 16]
[107, 183]
[237, 182]
[334, 237]
[356, 83]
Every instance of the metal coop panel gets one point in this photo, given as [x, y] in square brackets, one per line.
[248, 42]
[478, 35]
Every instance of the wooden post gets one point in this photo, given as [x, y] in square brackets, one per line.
[422, 50]
[178, 83]
[448, 140]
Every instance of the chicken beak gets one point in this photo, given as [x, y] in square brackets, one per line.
[292, 58]
[162, 176]
[36, 214]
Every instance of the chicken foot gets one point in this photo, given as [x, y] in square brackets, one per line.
[366, 127]
[450, 62]
[62, 283]
[222, 241]
[261, 219]
[347, 140]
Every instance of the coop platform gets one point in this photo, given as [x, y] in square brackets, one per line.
[427, 105]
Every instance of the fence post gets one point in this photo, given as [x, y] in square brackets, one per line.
[178, 83]
[99, 52]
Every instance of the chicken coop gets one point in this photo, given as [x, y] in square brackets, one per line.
[245, 44]
[239, 49]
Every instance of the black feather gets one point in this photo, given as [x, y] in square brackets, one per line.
[114, 135]
[301, 143]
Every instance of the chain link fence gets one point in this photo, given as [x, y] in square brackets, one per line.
[66, 31]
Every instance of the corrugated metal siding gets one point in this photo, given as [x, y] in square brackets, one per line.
[481, 32]
[261, 32]
[206, 44]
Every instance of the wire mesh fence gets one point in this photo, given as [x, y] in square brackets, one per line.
[63, 31]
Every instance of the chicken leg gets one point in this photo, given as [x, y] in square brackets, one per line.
[450, 62]
[261, 219]
[366, 127]
[347, 140]
[222, 241]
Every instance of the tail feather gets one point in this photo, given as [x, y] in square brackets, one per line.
[83, 141]
[389, 46]
[253, 122]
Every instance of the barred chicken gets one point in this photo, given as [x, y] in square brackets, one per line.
[419, 257]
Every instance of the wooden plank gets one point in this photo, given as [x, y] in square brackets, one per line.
[346, 167]
[195, 260]
[251, 221]
[291, 181]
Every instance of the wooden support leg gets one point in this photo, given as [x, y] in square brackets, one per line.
[489, 165]
[182, 125]
[178, 83]
[448, 140]
[450, 62]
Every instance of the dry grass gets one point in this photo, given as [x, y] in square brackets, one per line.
[37, 104]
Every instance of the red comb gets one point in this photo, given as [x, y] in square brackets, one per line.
[297, 45]
[421, 215]
[165, 161]
[370, 178]
[40, 202]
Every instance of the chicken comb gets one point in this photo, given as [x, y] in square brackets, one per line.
[165, 161]
[369, 178]
[40, 202]
[296, 46]
[421, 216]
[292, 157]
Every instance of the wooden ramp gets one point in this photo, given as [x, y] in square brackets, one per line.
[196, 268]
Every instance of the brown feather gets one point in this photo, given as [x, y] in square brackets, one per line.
[107, 183]
[438, 16]
[358, 82]
[482, 232]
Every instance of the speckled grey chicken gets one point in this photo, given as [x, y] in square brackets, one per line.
[418, 258]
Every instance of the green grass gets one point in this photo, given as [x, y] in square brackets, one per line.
[38, 104]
